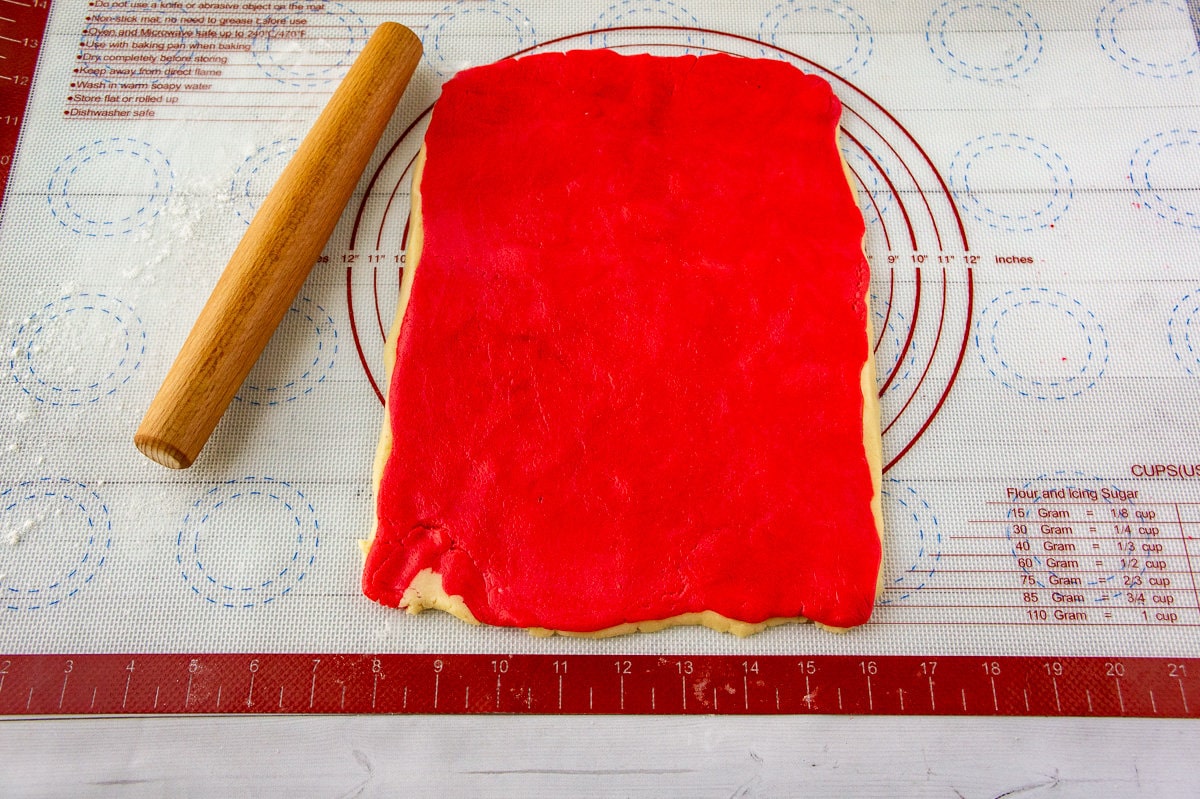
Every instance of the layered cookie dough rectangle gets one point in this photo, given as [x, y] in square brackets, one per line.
[631, 381]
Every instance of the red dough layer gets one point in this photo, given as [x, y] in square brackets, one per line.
[627, 382]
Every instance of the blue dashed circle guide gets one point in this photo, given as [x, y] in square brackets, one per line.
[318, 328]
[1154, 168]
[210, 539]
[59, 374]
[916, 536]
[84, 198]
[956, 30]
[299, 55]
[979, 168]
[450, 28]
[55, 536]
[1131, 33]
[1071, 357]
[838, 16]
[647, 12]
[1183, 332]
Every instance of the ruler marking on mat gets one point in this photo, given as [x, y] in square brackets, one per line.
[189, 683]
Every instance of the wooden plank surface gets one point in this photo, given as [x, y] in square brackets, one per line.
[363, 756]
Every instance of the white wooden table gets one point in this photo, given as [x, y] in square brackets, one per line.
[599, 756]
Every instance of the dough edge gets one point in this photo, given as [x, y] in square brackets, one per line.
[426, 590]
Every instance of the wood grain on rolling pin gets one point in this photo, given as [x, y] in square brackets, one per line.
[278, 251]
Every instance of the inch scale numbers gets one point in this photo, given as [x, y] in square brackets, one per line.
[141, 684]
[1102, 555]
[22, 26]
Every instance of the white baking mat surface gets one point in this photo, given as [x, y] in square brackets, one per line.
[1029, 174]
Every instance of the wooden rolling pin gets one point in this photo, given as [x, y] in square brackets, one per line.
[279, 249]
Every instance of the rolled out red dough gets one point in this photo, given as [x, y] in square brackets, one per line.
[632, 381]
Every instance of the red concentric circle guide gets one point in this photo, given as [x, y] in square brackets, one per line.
[922, 282]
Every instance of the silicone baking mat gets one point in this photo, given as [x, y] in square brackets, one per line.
[1028, 173]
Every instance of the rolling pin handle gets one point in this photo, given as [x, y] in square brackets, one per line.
[274, 258]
